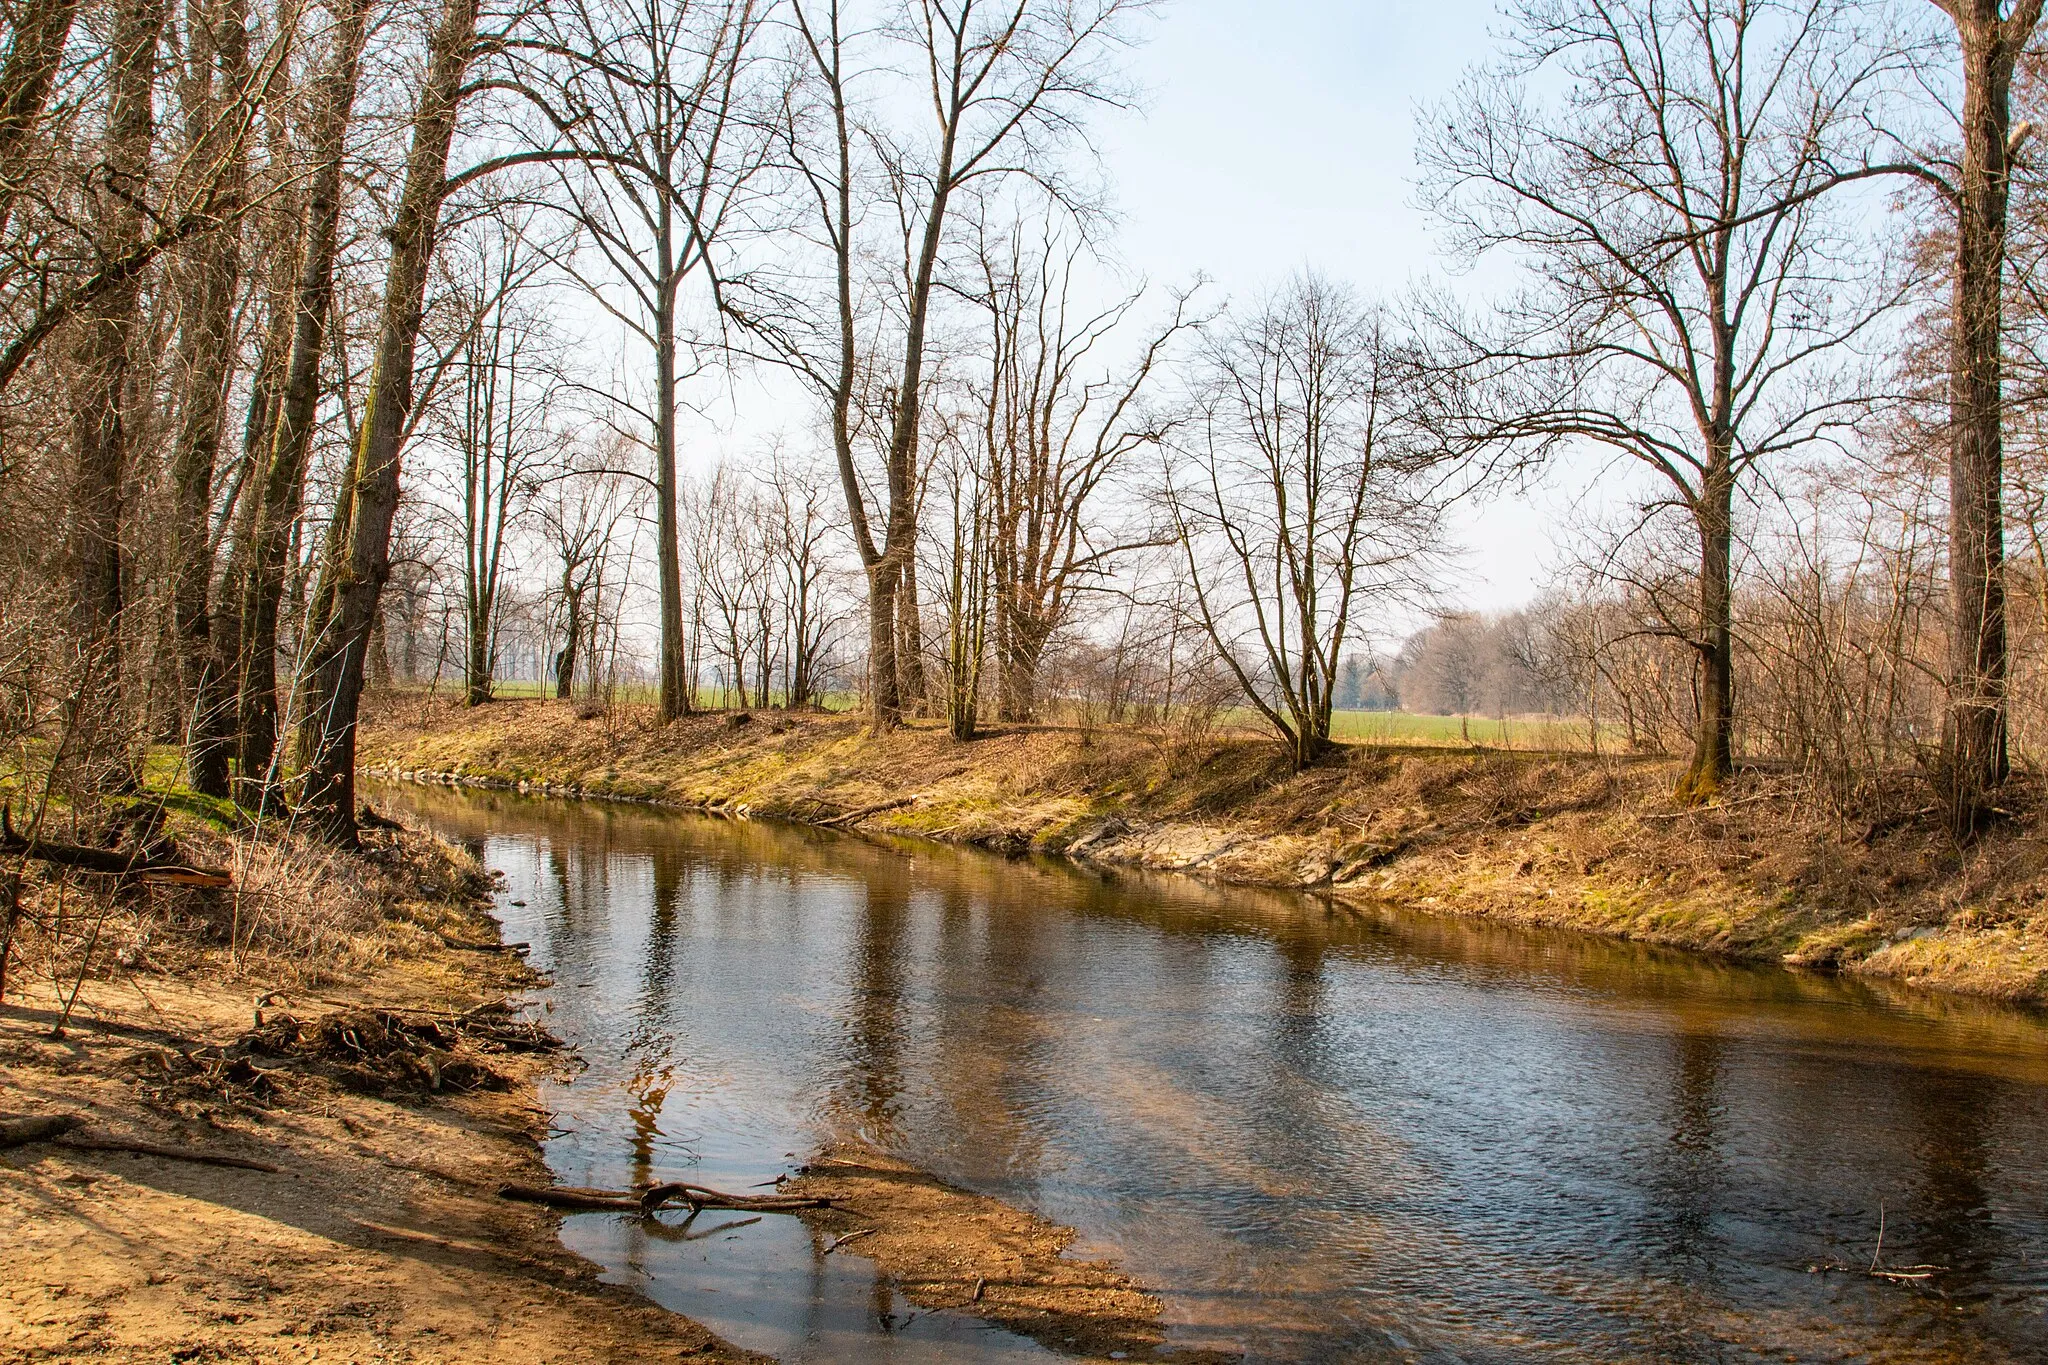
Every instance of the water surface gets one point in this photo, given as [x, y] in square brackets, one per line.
[1320, 1133]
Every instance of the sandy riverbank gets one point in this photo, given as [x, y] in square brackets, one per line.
[378, 1235]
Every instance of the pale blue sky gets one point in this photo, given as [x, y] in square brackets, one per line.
[1279, 134]
[1282, 133]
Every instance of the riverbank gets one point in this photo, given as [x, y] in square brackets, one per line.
[1574, 841]
[372, 1093]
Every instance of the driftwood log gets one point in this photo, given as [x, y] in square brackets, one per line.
[41, 1128]
[112, 861]
[584, 1199]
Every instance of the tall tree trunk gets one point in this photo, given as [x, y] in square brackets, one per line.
[1713, 750]
[676, 682]
[105, 331]
[289, 415]
[216, 80]
[910, 639]
[565, 662]
[885, 701]
[356, 560]
[476, 663]
[1974, 731]
[40, 34]
[1020, 644]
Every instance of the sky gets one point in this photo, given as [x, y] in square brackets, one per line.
[1280, 134]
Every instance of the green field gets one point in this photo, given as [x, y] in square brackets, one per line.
[632, 693]
[1405, 727]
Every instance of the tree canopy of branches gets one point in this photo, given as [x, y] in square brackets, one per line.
[1693, 292]
[1302, 497]
[1002, 86]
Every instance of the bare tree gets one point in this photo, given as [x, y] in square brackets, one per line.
[284, 400]
[651, 98]
[960, 480]
[800, 528]
[580, 511]
[1299, 498]
[499, 427]
[1056, 422]
[729, 547]
[216, 92]
[42, 28]
[356, 558]
[1002, 84]
[1992, 36]
[1693, 290]
[105, 336]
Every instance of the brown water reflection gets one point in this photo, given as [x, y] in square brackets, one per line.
[1322, 1133]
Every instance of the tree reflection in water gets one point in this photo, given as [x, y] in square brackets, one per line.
[1328, 1128]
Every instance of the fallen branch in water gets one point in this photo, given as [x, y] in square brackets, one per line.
[566, 1197]
[1877, 1270]
[722, 1227]
[863, 812]
[700, 1197]
[583, 1198]
[849, 1237]
[1896, 1274]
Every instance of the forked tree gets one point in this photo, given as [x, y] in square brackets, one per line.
[650, 102]
[1300, 497]
[356, 556]
[1060, 408]
[284, 398]
[1667, 177]
[999, 88]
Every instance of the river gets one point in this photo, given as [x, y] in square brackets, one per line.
[1320, 1132]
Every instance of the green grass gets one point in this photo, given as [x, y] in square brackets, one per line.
[162, 784]
[1407, 727]
[1566, 733]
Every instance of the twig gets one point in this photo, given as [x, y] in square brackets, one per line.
[849, 1237]
[1877, 1270]
[444, 1243]
[1710, 808]
[861, 813]
[722, 1227]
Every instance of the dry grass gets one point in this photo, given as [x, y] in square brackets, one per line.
[1774, 871]
[298, 915]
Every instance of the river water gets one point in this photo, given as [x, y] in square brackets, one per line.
[1319, 1133]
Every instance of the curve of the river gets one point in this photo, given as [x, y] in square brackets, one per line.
[1319, 1133]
